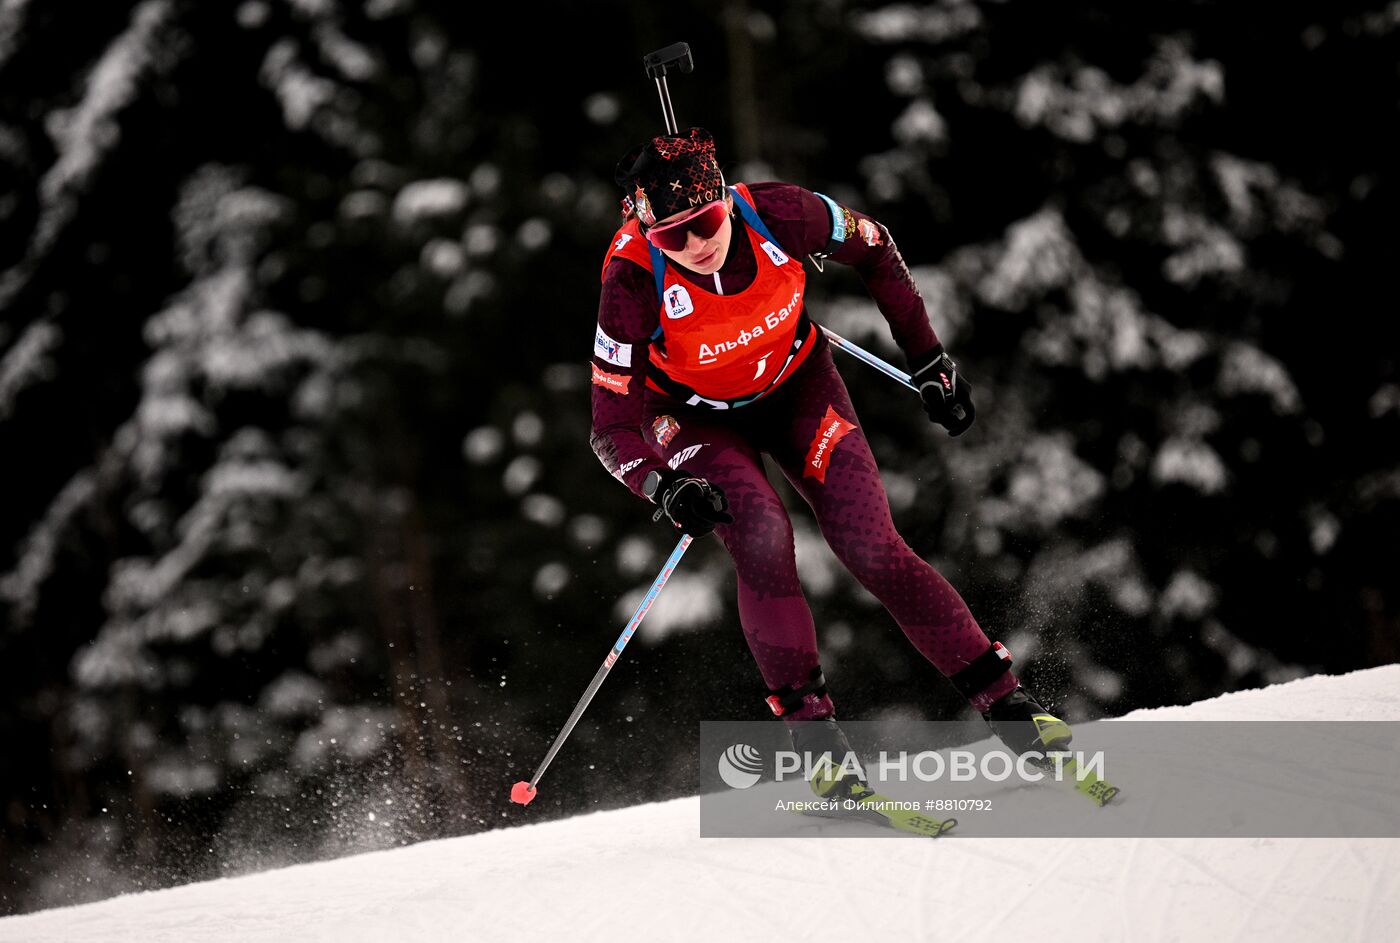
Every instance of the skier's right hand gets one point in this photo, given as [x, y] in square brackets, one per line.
[691, 503]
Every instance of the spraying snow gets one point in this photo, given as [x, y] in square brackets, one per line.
[644, 874]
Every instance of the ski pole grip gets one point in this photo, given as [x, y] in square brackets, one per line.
[675, 56]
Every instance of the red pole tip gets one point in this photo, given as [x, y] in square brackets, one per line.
[522, 792]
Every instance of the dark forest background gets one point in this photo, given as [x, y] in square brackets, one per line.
[302, 547]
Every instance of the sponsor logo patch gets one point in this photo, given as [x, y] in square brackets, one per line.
[685, 455]
[642, 206]
[664, 429]
[678, 303]
[615, 382]
[831, 431]
[626, 238]
[709, 355]
[848, 221]
[626, 467]
[869, 232]
[774, 253]
[605, 348]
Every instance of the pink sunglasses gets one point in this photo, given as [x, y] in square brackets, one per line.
[704, 222]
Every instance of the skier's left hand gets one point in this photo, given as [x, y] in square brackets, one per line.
[946, 394]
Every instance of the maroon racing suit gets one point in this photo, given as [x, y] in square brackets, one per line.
[805, 423]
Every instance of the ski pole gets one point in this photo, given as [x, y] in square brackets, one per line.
[887, 369]
[522, 792]
[674, 56]
[865, 356]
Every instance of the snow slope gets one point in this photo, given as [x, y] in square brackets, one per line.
[643, 874]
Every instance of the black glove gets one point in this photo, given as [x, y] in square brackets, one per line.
[946, 394]
[693, 504]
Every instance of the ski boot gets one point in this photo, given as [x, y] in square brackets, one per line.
[839, 782]
[1016, 717]
[1026, 727]
[835, 769]
[835, 776]
[836, 772]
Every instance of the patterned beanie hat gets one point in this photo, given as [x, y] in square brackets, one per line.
[670, 174]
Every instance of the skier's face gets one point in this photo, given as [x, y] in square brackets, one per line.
[704, 256]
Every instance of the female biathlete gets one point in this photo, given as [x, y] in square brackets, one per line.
[705, 359]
